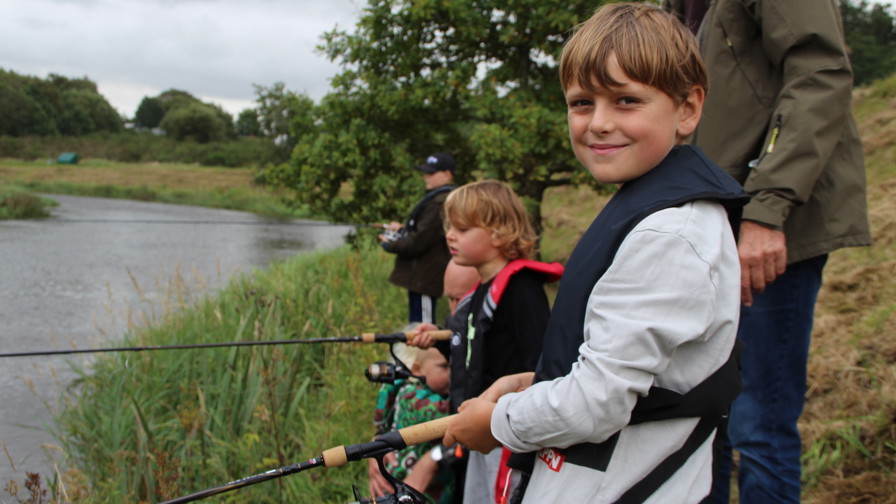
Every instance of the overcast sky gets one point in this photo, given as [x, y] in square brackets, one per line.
[213, 49]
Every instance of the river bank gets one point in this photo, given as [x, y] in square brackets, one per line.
[177, 183]
[99, 269]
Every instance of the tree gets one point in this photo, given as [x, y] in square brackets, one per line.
[196, 121]
[149, 113]
[52, 106]
[247, 123]
[283, 116]
[20, 115]
[871, 36]
[186, 116]
[474, 78]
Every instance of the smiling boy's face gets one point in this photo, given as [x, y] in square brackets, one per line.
[622, 132]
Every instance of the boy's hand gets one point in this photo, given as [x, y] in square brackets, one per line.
[472, 426]
[763, 257]
[423, 472]
[422, 338]
[378, 485]
[507, 385]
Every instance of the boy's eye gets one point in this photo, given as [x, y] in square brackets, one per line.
[628, 100]
[579, 103]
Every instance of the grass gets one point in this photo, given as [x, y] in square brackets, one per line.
[849, 424]
[158, 425]
[16, 202]
[216, 187]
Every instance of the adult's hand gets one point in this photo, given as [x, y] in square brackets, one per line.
[472, 426]
[763, 258]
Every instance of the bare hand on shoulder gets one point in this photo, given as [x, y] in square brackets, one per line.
[763, 258]
[471, 426]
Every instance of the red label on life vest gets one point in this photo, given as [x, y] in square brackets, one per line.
[552, 458]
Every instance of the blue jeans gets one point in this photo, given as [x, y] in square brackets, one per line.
[762, 427]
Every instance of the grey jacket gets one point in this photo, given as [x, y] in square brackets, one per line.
[778, 118]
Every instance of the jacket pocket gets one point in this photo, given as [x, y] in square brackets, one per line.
[742, 33]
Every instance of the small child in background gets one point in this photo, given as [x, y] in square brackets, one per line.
[458, 281]
[406, 403]
[498, 328]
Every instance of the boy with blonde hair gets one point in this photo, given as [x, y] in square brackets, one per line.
[637, 371]
[498, 327]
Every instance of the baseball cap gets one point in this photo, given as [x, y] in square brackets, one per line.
[438, 162]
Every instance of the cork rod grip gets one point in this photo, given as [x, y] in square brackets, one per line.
[426, 431]
[335, 457]
[439, 335]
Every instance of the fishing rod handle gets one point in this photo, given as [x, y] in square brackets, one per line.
[437, 335]
[413, 435]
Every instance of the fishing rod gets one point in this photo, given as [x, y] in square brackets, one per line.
[339, 456]
[300, 223]
[398, 337]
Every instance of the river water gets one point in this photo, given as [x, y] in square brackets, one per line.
[77, 279]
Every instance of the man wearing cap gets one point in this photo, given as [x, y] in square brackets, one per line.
[421, 253]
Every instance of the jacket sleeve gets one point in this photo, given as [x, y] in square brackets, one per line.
[802, 38]
[638, 314]
[427, 233]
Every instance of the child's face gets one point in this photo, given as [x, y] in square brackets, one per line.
[473, 246]
[434, 367]
[621, 133]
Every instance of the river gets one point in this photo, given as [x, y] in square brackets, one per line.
[78, 278]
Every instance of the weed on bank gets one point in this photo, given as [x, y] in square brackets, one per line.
[151, 426]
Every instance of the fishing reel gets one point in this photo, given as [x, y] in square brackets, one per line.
[404, 494]
[389, 372]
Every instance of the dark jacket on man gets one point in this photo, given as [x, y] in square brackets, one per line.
[421, 252]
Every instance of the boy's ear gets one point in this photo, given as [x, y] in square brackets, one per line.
[497, 240]
[691, 110]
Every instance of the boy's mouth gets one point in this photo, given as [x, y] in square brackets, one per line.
[605, 149]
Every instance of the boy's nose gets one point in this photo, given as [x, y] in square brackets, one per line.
[602, 121]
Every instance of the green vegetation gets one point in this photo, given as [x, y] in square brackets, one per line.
[16, 202]
[54, 106]
[229, 188]
[476, 79]
[871, 36]
[132, 147]
[162, 424]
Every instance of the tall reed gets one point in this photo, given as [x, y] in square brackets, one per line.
[150, 426]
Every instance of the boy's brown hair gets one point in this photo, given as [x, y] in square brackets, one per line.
[651, 46]
[492, 205]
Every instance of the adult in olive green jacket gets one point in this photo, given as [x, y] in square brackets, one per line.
[778, 118]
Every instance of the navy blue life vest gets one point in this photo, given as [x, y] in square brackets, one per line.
[685, 175]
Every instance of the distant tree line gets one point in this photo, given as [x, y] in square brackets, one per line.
[53, 106]
[871, 38]
[475, 78]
